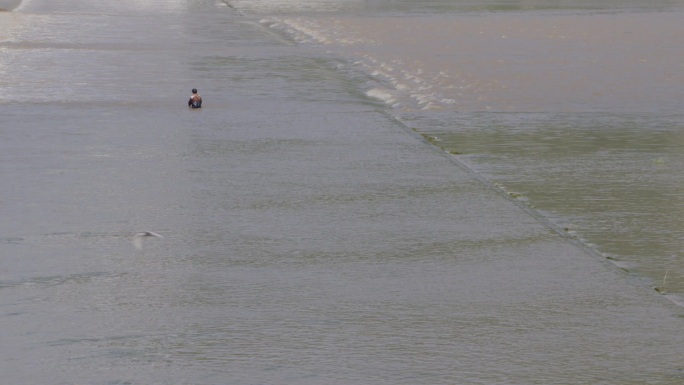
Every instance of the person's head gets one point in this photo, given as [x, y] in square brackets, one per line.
[194, 90]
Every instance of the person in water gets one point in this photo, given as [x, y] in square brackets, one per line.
[195, 100]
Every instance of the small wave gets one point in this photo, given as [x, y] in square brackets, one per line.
[383, 95]
[57, 280]
[300, 30]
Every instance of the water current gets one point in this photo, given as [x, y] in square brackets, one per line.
[374, 192]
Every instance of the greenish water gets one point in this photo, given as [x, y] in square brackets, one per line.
[614, 181]
[574, 107]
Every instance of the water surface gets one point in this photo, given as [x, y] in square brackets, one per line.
[309, 236]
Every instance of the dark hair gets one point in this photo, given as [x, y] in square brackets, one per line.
[194, 90]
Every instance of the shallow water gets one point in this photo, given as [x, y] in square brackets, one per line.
[574, 108]
[612, 180]
[309, 237]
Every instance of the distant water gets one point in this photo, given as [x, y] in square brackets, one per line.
[309, 237]
[573, 106]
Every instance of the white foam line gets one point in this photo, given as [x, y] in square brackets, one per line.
[383, 95]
